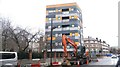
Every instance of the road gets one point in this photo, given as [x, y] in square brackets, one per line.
[103, 62]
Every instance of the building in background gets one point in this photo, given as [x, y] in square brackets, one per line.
[96, 46]
[68, 21]
[41, 44]
[38, 46]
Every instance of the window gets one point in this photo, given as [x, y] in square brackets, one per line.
[48, 35]
[72, 9]
[59, 18]
[51, 11]
[48, 44]
[59, 10]
[65, 25]
[58, 26]
[60, 35]
[91, 42]
[60, 43]
[72, 25]
[78, 11]
[78, 18]
[64, 18]
[66, 34]
[49, 19]
[80, 14]
[49, 27]
[95, 41]
[56, 44]
[78, 27]
[56, 35]
[68, 47]
[72, 17]
[65, 10]
[73, 34]
[92, 50]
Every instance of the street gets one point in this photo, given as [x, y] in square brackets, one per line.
[103, 62]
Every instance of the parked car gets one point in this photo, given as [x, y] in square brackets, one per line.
[108, 55]
[114, 56]
[118, 63]
[8, 59]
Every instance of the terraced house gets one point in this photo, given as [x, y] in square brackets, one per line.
[67, 20]
[96, 46]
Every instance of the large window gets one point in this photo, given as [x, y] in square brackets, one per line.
[65, 18]
[65, 10]
[66, 34]
[65, 25]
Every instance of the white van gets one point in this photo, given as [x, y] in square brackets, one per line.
[8, 59]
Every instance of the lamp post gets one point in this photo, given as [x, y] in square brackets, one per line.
[51, 16]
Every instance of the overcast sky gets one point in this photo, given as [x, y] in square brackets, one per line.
[100, 17]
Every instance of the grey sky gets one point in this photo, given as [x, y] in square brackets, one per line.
[100, 17]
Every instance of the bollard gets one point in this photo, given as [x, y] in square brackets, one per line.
[78, 64]
[18, 64]
[87, 62]
[36, 65]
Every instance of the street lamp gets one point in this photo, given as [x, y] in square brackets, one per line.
[51, 15]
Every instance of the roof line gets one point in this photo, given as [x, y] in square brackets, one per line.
[62, 5]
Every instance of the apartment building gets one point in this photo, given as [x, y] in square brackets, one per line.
[67, 20]
[96, 45]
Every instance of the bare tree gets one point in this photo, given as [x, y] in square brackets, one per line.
[6, 26]
[21, 37]
[32, 38]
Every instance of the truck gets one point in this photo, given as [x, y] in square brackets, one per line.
[79, 56]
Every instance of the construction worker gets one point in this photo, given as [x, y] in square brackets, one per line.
[87, 55]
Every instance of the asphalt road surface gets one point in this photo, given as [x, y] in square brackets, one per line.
[103, 62]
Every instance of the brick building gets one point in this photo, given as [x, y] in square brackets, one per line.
[96, 46]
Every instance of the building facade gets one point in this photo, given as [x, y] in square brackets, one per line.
[96, 46]
[67, 20]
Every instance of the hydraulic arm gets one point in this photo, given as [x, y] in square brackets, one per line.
[66, 40]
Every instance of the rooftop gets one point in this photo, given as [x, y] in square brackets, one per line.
[62, 5]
